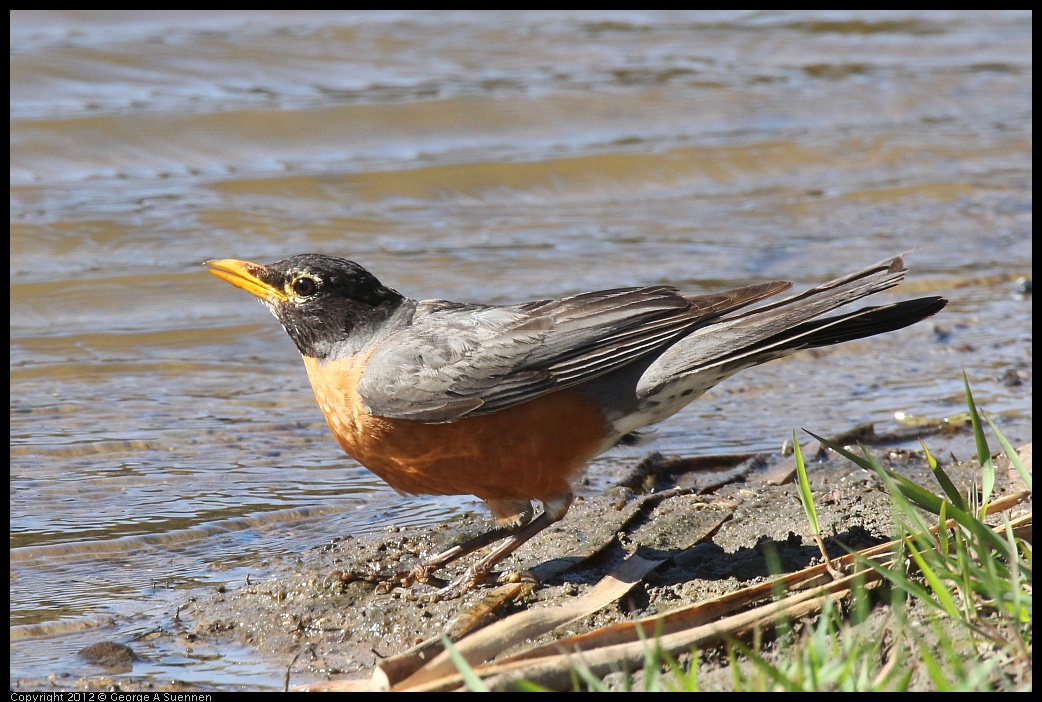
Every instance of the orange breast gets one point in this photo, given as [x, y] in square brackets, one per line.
[530, 451]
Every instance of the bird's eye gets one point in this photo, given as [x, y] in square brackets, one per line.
[304, 286]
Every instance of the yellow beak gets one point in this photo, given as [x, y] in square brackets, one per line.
[245, 275]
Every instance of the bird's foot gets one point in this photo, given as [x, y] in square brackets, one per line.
[386, 581]
[517, 576]
[461, 584]
[420, 573]
[473, 577]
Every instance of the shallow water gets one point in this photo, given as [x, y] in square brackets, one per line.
[163, 436]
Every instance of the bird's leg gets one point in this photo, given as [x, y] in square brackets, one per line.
[553, 511]
[515, 524]
[509, 516]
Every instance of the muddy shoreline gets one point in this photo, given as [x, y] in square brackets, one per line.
[712, 526]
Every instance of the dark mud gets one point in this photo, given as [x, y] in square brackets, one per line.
[717, 525]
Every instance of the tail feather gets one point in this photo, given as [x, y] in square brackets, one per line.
[750, 337]
[868, 321]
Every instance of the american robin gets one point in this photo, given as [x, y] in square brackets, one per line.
[509, 403]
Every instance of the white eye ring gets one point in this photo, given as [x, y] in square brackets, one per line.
[304, 286]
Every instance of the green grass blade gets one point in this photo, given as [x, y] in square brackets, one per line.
[806, 497]
[1019, 605]
[920, 497]
[917, 494]
[943, 480]
[934, 668]
[1011, 452]
[899, 580]
[471, 679]
[942, 533]
[943, 596]
[983, 451]
[767, 669]
[860, 461]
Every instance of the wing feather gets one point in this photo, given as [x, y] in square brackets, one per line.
[454, 360]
